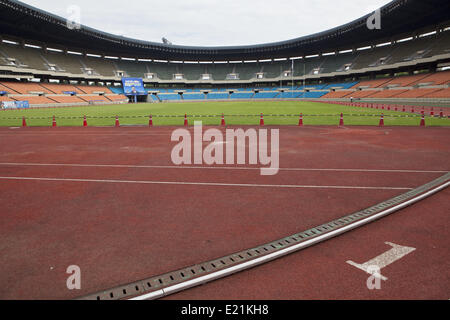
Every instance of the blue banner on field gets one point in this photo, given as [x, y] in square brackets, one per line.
[15, 104]
[133, 86]
[22, 104]
[9, 104]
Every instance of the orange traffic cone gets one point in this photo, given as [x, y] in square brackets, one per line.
[261, 120]
[381, 121]
[117, 122]
[222, 122]
[422, 121]
[54, 122]
[300, 121]
[341, 121]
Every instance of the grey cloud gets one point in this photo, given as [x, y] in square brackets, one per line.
[211, 22]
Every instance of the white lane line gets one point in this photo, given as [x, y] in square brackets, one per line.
[204, 183]
[210, 167]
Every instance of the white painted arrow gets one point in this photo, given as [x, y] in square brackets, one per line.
[396, 253]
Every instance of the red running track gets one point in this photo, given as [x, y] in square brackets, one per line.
[321, 272]
[120, 232]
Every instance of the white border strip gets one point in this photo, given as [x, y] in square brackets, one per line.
[204, 183]
[209, 167]
[249, 264]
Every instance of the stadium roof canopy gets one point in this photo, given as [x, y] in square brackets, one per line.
[398, 18]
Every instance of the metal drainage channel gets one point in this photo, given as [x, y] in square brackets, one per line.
[168, 283]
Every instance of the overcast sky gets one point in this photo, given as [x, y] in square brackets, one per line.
[212, 22]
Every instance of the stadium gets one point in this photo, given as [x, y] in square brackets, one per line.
[87, 178]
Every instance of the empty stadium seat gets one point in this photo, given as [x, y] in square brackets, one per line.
[363, 93]
[444, 93]
[217, 96]
[417, 93]
[4, 98]
[169, 96]
[405, 81]
[35, 99]
[241, 95]
[66, 99]
[194, 96]
[117, 97]
[438, 78]
[265, 95]
[338, 94]
[25, 87]
[387, 93]
[372, 83]
[93, 89]
[60, 88]
[94, 98]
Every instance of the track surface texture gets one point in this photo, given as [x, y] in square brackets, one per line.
[99, 198]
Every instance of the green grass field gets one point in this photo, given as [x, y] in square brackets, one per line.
[236, 113]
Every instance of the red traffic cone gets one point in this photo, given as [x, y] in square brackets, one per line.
[84, 122]
[186, 123]
[222, 122]
[300, 120]
[341, 121]
[381, 121]
[150, 121]
[117, 122]
[422, 121]
[54, 122]
[24, 122]
[261, 120]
